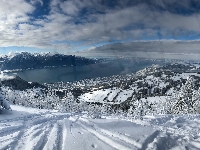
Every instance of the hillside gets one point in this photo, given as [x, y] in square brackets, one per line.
[16, 83]
[120, 92]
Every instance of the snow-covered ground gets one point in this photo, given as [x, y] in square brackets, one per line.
[107, 96]
[29, 128]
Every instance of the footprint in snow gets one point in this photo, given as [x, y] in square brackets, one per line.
[94, 145]
[80, 132]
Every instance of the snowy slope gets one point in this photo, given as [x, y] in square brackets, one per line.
[28, 128]
[107, 96]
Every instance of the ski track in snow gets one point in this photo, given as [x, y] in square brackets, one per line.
[106, 136]
[60, 131]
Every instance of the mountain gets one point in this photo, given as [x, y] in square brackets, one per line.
[25, 60]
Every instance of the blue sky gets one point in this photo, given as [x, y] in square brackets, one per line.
[73, 25]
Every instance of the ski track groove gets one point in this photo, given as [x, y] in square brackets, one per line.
[44, 139]
[150, 139]
[10, 130]
[60, 136]
[52, 138]
[64, 134]
[141, 146]
[51, 130]
[34, 127]
[41, 135]
[57, 126]
[35, 137]
[115, 135]
[28, 133]
[16, 142]
[10, 141]
[108, 140]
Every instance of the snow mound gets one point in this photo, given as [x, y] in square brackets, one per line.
[4, 104]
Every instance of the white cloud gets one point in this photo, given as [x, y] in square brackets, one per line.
[60, 24]
[4, 77]
[69, 7]
[36, 2]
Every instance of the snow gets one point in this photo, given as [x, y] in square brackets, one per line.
[95, 96]
[112, 94]
[3, 102]
[154, 99]
[184, 76]
[124, 95]
[107, 96]
[30, 128]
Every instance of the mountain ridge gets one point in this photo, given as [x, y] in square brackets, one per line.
[25, 60]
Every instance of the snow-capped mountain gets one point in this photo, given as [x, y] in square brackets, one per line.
[25, 60]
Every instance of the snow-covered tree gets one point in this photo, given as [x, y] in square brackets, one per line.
[137, 109]
[3, 102]
[187, 100]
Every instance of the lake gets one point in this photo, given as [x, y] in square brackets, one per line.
[74, 73]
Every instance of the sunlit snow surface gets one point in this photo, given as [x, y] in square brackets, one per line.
[28, 128]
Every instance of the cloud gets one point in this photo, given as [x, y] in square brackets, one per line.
[34, 2]
[162, 49]
[90, 22]
[69, 7]
[4, 77]
[11, 14]
[163, 46]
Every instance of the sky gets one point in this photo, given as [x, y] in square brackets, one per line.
[75, 25]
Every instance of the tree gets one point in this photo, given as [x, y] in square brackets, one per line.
[187, 101]
[3, 102]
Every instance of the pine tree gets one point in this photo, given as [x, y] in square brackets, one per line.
[187, 98]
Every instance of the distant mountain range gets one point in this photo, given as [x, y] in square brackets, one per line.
[25, 60]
